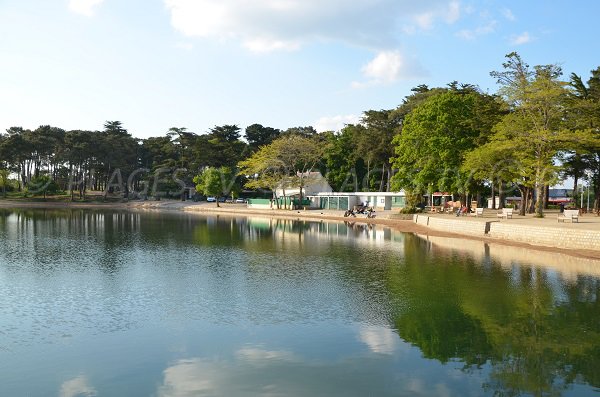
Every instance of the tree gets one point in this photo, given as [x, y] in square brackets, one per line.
[221, 147]
[533, 129]
[435, 137]
[286, 162]
[4, 181]
[42, 184]
[298, 156]
[215, 182]
[256, 135]
[343, 165]
[305, 132]
[374, 146]
[495, 161]
[583, 114]
[119, 153]
[263, 170]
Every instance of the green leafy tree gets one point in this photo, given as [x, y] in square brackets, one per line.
[263, 169]
[4, 181]
[286, 162]
[533, 129]
[215, 181]
[257, 135]
[435, 137]
[345, 168]
[375, 148]
[583, 114]
[42, 184]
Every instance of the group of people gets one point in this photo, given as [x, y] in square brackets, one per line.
[462, 210]
[453, 207]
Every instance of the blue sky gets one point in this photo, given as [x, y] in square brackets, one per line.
[155, 64]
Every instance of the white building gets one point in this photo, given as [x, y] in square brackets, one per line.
[346, 201]
[320, 194]
[314, 183]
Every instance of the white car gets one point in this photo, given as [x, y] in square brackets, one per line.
[240, 200]
[211, 199]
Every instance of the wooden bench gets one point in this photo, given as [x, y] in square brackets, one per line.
[506, 213]
[572, 215]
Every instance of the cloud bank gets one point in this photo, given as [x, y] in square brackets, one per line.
[268, 25]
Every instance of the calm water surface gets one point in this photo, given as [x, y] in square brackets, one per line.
[96, 303]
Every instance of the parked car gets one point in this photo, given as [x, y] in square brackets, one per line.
[240, 200]
[211, 199]
[222, 199]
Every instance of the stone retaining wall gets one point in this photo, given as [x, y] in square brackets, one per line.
[537, 235]
[550, 236]
[453, 225]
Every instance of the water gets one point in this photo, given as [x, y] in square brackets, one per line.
[96, 303]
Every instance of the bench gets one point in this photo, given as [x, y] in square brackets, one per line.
[478, 212]
[506, 213]
[572, 215]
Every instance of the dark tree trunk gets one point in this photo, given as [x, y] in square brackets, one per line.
[524, 194]
[500, 195]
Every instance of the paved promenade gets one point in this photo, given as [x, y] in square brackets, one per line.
[586, 221]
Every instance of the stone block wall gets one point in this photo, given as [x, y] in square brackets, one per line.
[550, 236]
[458, 226]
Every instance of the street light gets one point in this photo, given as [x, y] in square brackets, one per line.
[588, 209]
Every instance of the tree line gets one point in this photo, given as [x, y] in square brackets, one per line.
[537, 129]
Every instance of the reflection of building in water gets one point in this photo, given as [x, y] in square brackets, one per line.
[294, 232]
[568, 266]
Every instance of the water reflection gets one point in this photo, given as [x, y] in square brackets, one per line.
[257, 370]
[77, 387]
[356, 309]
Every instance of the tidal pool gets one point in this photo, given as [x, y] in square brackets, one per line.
[101, 303]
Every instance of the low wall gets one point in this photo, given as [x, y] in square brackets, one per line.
[536, 235]
[453, 225]
[421, 219]
[550, 236]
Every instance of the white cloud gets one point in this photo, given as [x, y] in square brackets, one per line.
[258, 356]
[77, 387]
[453, 14]
[191, 378]
[520, 39]
[84, 7]
[379, 339]
[508, 14]
[335, 123]
[425, 20]
[472, 34]
[388, 67]
[202, 377]
[269, 25]
[268, 45]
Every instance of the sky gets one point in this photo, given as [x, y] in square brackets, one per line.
[156, 64]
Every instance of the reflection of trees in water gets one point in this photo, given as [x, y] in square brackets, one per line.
[528, 329]
[537, 336]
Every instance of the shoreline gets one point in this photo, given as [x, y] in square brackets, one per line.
[402, 225]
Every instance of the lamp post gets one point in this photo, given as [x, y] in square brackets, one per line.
[588, 201]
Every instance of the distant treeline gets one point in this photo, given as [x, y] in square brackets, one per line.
[537, 129]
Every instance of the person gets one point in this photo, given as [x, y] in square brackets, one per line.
[462, 210]
[561, 207]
